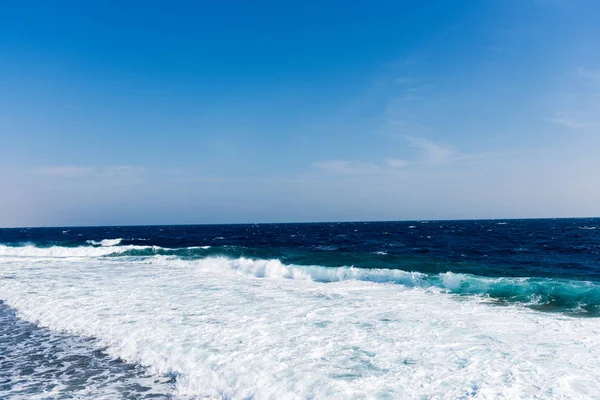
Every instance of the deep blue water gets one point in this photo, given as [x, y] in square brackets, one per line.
[550, 248]
[547, 264]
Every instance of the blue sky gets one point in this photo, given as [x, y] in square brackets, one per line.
[216, 112]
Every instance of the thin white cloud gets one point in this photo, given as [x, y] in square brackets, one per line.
[181, 176]
[572, 122]
[587, 73]
[65, 171]
[207, 179]
[436, 153]
[125, 168]
[433, 153]
[397, 117]
[110, 172]
[394, 163]
[580, 107]
[345, 167]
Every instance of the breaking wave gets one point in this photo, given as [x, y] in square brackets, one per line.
[447, 310]
[257, 328]
[549, 294]
[105, 242]
[66, 252]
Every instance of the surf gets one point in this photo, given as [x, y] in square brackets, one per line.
[238, 328]
[549, 294]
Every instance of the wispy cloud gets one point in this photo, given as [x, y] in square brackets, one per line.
[434, 153]
[580, 109]
[573, 122]
[65, 171]
[430, 153]
[587, 73]
[110, 172]
[200, 179]
[345, 167]
[398, 116]
[395, 163]
[183, 176]
[397, 123]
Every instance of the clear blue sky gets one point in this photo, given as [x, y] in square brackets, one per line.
[152, 112]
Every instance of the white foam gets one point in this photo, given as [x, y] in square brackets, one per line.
[106, 242]
[64, 252]
[57, 362]
[105, 248]
[275, 269]
[241, 328]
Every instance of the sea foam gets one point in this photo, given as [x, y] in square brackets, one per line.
[560, 294]
[106, 242]
[30, 251]
[241, 328]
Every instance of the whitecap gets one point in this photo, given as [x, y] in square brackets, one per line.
[242, 328]
[105, 242]
[29, 251]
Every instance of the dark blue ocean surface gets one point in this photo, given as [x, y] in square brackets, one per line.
[558, 259]
[550, 248]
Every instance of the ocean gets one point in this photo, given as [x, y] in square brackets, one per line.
[484, 309]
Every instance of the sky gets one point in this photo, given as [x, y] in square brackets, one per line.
[192, 112]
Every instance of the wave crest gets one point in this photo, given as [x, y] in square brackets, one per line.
[543, 293]
[105, 242]
[65, 252]
[546, 293]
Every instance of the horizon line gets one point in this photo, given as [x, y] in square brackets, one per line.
[297, 223]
